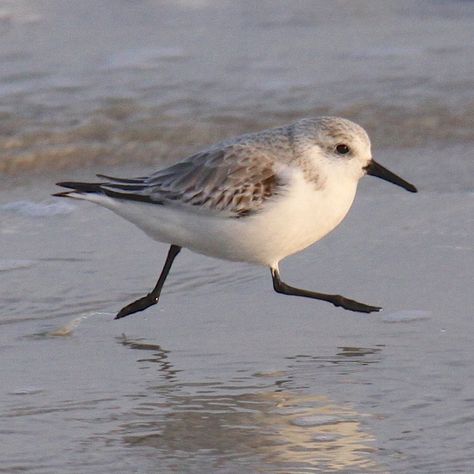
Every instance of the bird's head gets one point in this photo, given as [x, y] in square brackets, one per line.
[341, 147]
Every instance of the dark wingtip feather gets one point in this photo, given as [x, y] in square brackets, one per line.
[82, 187]
[117, 191]
[121, 180]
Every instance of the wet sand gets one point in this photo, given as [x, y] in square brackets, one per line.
[223, 374]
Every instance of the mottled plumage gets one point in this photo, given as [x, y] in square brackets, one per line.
[230, 180]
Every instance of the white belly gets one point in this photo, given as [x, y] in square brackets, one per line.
[287, 225]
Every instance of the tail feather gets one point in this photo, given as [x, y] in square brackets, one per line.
[64, 194]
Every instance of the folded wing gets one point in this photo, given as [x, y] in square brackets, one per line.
[235, 180]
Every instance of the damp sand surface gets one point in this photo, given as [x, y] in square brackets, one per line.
[224, 375]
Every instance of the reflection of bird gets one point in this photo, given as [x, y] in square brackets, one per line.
[256, 198]
[159, 355]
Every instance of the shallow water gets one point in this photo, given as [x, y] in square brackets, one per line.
[224, 375]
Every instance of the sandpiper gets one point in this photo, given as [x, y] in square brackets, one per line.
[256, 198]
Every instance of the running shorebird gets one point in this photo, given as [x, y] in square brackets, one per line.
[255, 198]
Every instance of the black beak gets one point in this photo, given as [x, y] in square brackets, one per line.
[374, 169]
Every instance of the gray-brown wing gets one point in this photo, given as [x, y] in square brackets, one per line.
[236, 180]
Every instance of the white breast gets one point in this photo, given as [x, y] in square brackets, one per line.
[296, 220]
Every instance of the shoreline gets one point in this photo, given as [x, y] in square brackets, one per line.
[145, 135]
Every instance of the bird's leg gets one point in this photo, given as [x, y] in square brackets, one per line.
[336, 300]
[151, 298]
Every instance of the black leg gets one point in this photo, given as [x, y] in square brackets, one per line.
[336, 300]
[151, 298]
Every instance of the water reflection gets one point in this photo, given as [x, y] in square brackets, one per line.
[268, 423]
[159, 356]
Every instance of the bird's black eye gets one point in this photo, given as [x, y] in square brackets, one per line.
[342, 149]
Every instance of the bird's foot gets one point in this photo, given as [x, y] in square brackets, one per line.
[352, 305]
[138, 305]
